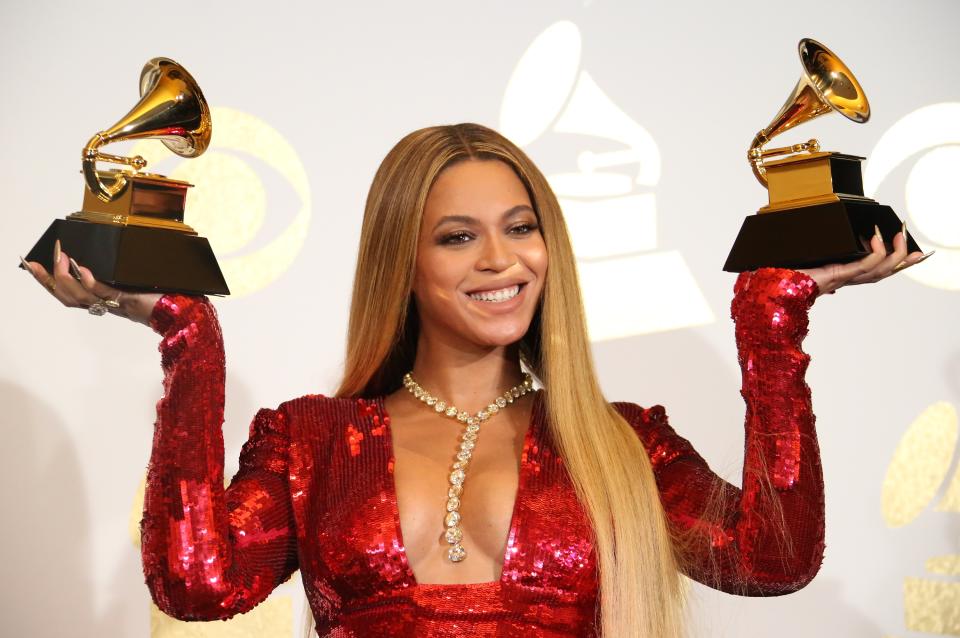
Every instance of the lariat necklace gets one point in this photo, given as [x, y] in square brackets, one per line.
[453, 534]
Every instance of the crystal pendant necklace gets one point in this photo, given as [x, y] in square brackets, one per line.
[453, 534]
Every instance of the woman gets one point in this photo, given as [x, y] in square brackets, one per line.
[465, 269]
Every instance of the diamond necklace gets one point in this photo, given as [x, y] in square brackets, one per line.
[453, 534]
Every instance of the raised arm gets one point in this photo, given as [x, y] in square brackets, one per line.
[210, 553]
[765, 538]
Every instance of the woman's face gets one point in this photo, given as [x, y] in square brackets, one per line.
[481, 260]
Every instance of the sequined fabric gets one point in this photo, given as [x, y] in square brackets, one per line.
[765, 538]
[315, 491]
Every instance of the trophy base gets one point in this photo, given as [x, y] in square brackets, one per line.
[135, 257]
[812, 236]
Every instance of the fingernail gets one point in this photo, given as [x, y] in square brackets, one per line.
[56, 252]
[876, 231]
[26, 265]
[74, 269]
[903, 229]
[929, 254]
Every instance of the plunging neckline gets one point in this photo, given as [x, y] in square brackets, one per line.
[391, 486]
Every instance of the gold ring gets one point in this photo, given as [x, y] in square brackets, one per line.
[51, 284]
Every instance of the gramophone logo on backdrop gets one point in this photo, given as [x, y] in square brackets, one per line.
[915, 476]
[229, 203]
[608, 202]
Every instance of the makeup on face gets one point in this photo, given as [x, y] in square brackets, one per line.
[482, 260]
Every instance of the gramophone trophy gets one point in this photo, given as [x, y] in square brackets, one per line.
[817, 213]
[130, 231]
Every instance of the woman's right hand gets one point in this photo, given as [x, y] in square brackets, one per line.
[75, 287]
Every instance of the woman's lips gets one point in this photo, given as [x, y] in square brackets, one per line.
[498, 307]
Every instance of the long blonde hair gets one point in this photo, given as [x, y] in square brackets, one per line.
[640, 586]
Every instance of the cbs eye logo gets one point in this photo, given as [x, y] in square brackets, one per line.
[247, 164]
[930, 138]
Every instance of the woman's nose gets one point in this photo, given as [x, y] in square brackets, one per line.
[496, 255]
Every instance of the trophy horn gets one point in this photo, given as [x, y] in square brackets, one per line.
[171, 108]
[825, 85]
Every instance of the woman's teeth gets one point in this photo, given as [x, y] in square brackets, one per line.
[497, 296]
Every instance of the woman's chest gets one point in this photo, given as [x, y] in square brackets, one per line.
[469, 515]
[359, 538]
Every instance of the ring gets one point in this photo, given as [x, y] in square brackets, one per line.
[113, 303]
[98, 308]
[51, 284]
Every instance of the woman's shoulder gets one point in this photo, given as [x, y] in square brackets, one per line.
[329, 413]
[640, 417]
[652, 426]
[323, 404]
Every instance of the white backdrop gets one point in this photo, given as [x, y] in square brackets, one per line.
[308, 97]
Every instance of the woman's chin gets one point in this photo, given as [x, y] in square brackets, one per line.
[501, 336]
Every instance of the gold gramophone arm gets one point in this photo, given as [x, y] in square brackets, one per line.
[757, 153]
[91, 155]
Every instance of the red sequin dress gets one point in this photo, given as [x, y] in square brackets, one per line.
[315, 491]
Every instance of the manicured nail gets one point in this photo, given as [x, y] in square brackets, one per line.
[56, 252]
[876, 231]
[74, 269]
[929, 254]
[26, 265]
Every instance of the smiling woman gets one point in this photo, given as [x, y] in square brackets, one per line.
[472, 265]
[461, 210]
[580, 514]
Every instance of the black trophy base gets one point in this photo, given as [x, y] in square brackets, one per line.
[812, 236]
[135, 257]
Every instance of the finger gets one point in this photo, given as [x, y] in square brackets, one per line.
[69, 288]
[901, 253]
[912, 259]
[38, 272]
[74, 269]
[108, 295]
[98, 289]
[47, 280]
[856, 272]
[863, 271]
[885, 267]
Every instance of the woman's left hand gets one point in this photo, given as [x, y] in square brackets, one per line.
[871, 269]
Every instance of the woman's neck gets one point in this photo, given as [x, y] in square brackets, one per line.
[466, 378]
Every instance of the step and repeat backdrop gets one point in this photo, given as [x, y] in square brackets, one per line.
[640, 113]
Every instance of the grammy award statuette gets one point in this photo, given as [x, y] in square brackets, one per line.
[130, 231]
[817, 213]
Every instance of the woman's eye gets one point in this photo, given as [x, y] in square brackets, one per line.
[458, 237]
[523, 229]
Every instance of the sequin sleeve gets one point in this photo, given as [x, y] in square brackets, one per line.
[208, 552]
[765, 538]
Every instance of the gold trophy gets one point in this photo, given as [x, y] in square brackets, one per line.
[817, 213]
[130, 231]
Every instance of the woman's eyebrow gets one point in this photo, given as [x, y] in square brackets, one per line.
[472, 221]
